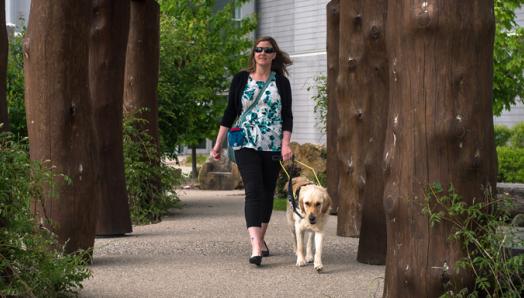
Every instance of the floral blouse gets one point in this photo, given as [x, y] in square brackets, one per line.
[263, 124]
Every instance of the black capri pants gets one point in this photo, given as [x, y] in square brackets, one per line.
[259, 171]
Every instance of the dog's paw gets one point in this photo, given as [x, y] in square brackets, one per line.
[301, 262]
[309, 259]
[319, 267]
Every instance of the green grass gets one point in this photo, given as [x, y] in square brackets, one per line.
[201, 159]
[280, 204]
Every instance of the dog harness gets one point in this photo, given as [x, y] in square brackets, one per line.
[291, 197]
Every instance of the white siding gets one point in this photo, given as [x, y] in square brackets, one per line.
[17, 12]
[299, 27]
[520, 16]
[512, 117]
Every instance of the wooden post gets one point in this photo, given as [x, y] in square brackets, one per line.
[368, 91]
[59, 116]
[107, 51]
[440, 129]
[333, 16]
[350, 208]
[362, 89]
[142, 63]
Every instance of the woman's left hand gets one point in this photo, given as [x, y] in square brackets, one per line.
[286, 152]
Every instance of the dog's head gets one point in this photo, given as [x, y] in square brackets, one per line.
[313, 200]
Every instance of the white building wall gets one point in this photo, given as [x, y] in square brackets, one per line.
[17, 12]
[520, 16]
[299, 27]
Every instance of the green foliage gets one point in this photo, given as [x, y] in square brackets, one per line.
[150, 185]
[508, 63]
[511, 164]
[321, 100]
[502, 135]
[477, 227]
[517, 136]
[15, 86]
[200, 49]
[31, 264]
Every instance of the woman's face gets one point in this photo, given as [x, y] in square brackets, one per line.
[264, 53]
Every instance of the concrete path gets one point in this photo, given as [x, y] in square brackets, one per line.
[202, 250]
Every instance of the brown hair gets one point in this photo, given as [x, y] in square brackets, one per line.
[280, 62]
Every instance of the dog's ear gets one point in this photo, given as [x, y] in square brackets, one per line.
[301, 204]
[326, 204]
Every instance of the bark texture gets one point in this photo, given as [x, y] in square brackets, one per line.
[142, 63]
[333, 20]
[350, 208]
[440, 129]
[59, 116]
[107, 52]
[4, 119]
[368, 105]
[362, 88]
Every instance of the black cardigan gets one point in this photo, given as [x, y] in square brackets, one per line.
[234, 103]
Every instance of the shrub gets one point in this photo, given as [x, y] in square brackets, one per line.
[502, 135]
[31, 262]
[511, 164]
[15, 86]
[517, 135]
[320, 98]
[478, 228]
[150, 185]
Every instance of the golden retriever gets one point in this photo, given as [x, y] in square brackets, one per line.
[313, 203]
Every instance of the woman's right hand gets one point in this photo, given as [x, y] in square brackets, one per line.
[215, 153]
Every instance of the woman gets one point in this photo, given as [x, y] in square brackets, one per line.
[267, 127]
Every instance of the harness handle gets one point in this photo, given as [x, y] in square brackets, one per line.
[290, 194]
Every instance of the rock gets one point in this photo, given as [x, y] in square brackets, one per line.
[311, 155]
[219, 174]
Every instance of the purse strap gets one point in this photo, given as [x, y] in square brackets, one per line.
[262, 90]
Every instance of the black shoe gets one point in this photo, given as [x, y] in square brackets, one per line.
[257, 260]
[265, 253]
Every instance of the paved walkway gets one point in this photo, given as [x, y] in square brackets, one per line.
[202, 250]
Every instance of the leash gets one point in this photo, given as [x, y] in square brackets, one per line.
[290, 195]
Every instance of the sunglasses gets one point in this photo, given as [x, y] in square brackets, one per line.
[266, 50]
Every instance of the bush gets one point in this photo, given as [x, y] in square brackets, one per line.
[15, 87]
[31, 263]
[150, 185]
[502, 135]
[320, 98]
[478, 228]
[517, 136]
[511, 164]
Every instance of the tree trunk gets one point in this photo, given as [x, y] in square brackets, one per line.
[109, 30]
[366, 91]
[362, 107]
[333, 20]
[194, 170]
[59, 116]
[440, 129]
[142, 64]
[4, 48]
